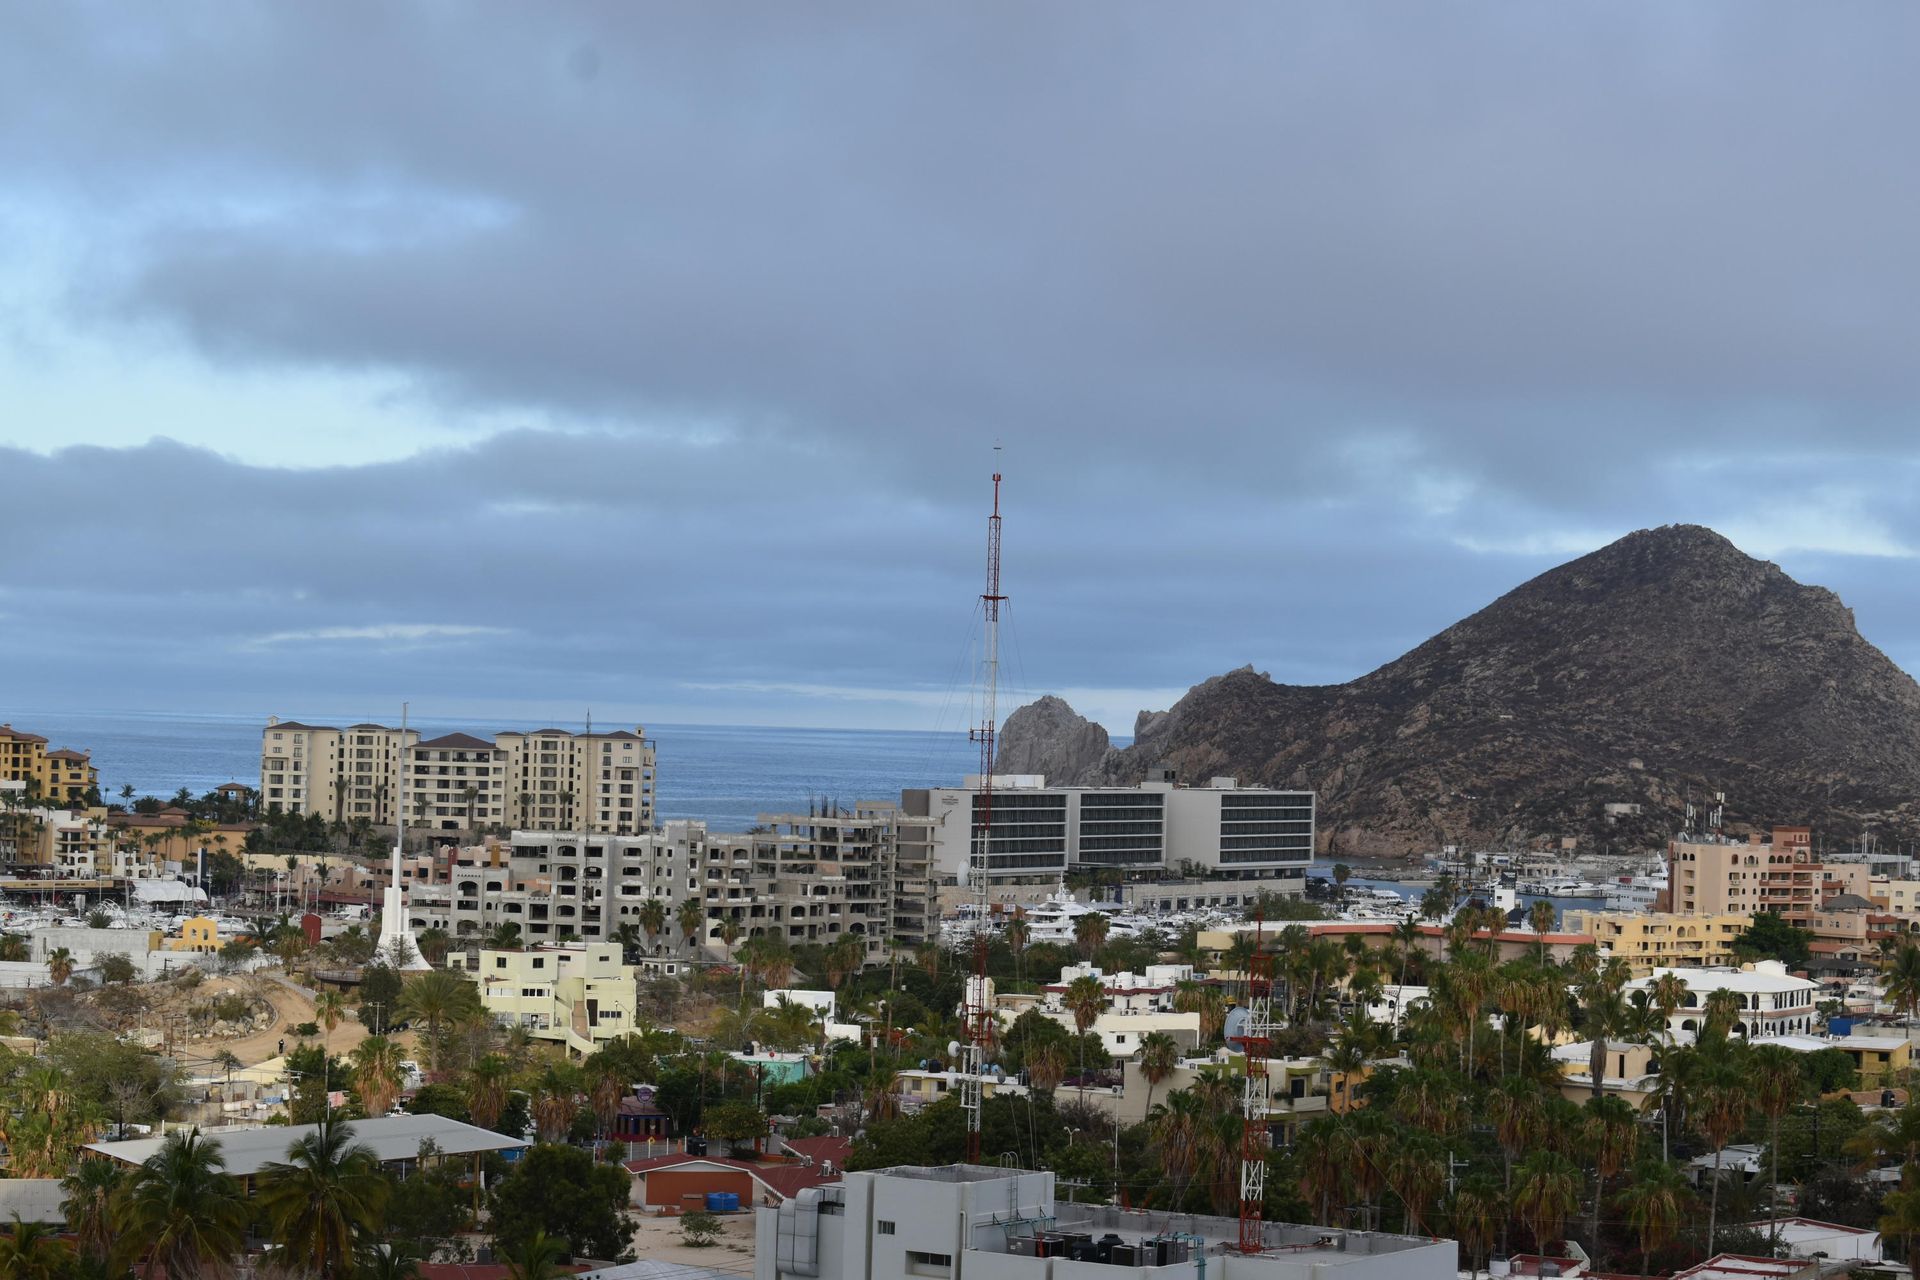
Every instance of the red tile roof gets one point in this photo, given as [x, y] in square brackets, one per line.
[66, 755]
[784, 1180]
[308, 728]
[19, 735]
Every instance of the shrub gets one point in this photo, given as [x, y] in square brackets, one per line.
[699, 1229]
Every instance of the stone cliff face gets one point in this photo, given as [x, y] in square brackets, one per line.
[1666, 662]
[1048, 736]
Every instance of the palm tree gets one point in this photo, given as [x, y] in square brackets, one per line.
[1900, 1216]
[376, 1073]
[1176, 1125]
[1609, 1133]
[1778, 1083]
[653, 918]
[691, 916]
[1548, 1190]
[556, 1100]
[1665, 995]
[504, 936]
[1901, 977]
[330, 1009]
[1046, 1067]
[33, 1251]
[435, 997]
[59, 965]
[88, 1205]
[1722, 1099]
[1656, 1203]
[729, 930]
[180, 1217]
[1325, 1161]
[1159, 1054]
[1018, 934]
[322, 1199]
[1473, 1208]
[1608, 1013]
[1085, 998]
[434, 944]
[488, 1084]
[1518, 1110]
[1540, 918]
[1090, 933]
[536, 1258]
[389, 1262]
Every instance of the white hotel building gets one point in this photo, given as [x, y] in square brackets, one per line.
[1221, 831]
[1772, 1001]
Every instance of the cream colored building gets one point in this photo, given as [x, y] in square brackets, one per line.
[548, 780]
[1649, 941]
[576, 996]
[58, 777]
[1779, 875]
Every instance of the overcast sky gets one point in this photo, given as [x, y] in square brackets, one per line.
[533, 358]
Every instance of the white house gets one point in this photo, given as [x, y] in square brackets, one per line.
[1772, 1001]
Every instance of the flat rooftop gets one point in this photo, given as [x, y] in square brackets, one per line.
[1293, 1239]
[952, 1172]
[249, 1150]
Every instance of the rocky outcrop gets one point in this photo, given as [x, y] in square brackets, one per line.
[1665, 665]
[1048, 736]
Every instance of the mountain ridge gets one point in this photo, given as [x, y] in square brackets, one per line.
[1665, 663]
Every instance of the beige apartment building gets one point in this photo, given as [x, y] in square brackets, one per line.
[62, 777]
[548, 780]
[1663, 940]
[1718, 877]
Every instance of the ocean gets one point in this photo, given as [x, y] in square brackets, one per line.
[725, 775]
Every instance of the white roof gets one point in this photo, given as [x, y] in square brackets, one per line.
[167, 891]
[1771, 978]
[249, 1150]
[1797, 1043]
[31, 1200]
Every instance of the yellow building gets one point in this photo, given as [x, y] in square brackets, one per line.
[578, 996]
[63, 777]
[199, 935]
[1662, 940]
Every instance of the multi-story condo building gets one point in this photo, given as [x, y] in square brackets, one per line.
[549, 780]
[1780, 875]
[1220, 831]
[1661, 940]
[806, 879]
[60, 777]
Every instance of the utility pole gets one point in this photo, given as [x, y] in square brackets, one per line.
[979, 1014]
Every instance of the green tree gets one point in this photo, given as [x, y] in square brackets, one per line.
[181, 1217]
[1546, 1191]
[1159, 1054]
[1901, 975]
[1778, 1083]
[699, 1230]
[436, 998]
[536, 1258]
[734, 1121]
[1656, 1203]
[561, 1190]
[1771, 938]
[33, 1251]
[89, 1191]
[376, 1074]
[1609, 1134]
[324, 1200]
[1085, 998]
[380, 988]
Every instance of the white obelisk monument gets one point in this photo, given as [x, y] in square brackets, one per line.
[396, 935]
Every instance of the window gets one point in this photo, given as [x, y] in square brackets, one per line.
[929, 1264]
[885, 1227]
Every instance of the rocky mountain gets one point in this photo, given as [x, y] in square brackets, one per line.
[1666, 664]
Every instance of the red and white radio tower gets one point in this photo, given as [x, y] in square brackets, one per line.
[1256, 1039]
[979, 1016]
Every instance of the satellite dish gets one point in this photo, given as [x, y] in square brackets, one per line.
[953, 1048]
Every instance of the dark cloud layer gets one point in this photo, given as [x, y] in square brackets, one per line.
[1307, 329]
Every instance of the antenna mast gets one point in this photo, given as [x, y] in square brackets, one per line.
[979, 1016]
[1256, 1039]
